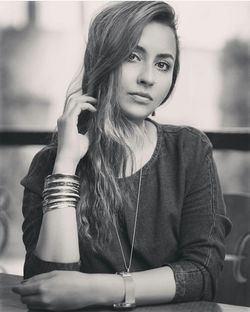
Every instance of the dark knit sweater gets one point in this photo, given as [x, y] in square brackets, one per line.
[182, 221]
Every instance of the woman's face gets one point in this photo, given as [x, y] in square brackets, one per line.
[146, 76]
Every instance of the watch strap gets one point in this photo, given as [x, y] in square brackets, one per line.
[129, 301]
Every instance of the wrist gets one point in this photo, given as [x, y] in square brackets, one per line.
[64, 166]
[107, 289]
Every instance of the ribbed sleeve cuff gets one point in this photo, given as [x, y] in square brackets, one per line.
[190, 281]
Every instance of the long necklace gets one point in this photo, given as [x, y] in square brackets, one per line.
[127, 267]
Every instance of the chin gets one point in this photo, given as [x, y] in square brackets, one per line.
[139, 117]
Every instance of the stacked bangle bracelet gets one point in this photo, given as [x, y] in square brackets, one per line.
[60, 191]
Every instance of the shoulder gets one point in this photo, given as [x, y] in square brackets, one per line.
[188, 148]
[185, 132]
[43, 160]
[186, 137]
[41, 165]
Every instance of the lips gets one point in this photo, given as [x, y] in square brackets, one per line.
[141, 97]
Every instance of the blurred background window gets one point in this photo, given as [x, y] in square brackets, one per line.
[42, 47]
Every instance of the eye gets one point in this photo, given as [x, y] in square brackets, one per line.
[164, 66]
[133, 57]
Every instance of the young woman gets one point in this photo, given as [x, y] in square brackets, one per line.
[117, 192]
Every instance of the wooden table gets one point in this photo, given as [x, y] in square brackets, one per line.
[10, 302]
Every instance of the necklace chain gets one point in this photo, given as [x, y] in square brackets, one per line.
[134, 231]
[127, 267]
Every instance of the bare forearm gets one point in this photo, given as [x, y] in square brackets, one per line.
[58, 238]
[154, 286]
[151, 287]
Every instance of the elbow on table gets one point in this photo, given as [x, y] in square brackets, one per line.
[34, 266]
[194, 282]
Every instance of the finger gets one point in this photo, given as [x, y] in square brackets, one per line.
[85, 97]
[77, 109]
[37, 307]
[26, 289]
[79, 99]
[33, 300]
[31, 287]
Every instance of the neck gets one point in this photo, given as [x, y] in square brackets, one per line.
[140, 135]
[139, 122]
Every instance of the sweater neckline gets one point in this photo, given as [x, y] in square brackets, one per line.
[148, 164]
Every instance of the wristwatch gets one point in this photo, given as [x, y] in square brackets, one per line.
[129, 302]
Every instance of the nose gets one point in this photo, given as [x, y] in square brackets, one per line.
[145, 76]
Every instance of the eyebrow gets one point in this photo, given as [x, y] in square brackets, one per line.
[161, 55]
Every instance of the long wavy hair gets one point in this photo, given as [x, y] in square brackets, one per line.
[113, 35]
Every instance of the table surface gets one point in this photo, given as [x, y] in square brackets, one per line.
[10, 302]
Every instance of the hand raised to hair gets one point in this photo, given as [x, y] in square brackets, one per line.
[72, 145]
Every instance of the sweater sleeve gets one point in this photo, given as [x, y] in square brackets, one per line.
[204, 225]
[41, 166]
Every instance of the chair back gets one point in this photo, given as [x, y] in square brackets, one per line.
[234, 284]
[4, 225]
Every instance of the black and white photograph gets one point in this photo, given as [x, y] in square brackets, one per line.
[125, 156]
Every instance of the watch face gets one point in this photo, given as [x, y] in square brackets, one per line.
[124, 305]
